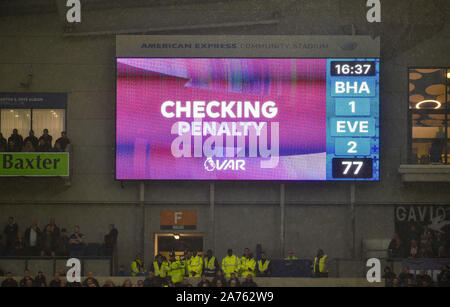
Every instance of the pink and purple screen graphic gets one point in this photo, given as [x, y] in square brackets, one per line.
[221, 119]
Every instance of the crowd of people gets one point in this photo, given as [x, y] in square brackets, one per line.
[51, 241]
[419, 243]
[406, 279]
[16, 143]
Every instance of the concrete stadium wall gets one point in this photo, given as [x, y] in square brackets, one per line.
[246, 213]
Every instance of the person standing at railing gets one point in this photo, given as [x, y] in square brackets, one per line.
[77, 242]
[10, 233]
[320, 264]
[33, 239]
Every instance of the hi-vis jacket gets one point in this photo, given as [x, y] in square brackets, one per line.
[230, 264]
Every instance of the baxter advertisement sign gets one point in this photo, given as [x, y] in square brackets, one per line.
[34, 164]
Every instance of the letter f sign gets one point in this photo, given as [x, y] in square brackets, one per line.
[177, 216]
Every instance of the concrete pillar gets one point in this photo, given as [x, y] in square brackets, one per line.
[282, 219]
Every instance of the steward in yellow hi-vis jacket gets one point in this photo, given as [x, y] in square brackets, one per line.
[158, 266]
[185, 262]
[320, 265]
[264, 267]
[137, 266]
[210, 264]
[291, 256]
[248, 265]
[176, 269]
[195, 265]
[230, 264]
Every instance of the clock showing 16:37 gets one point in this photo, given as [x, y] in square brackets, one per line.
[353, 68]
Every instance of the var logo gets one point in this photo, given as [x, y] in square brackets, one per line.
[233, 165]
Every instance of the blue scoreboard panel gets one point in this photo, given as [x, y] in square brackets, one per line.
[353, 130]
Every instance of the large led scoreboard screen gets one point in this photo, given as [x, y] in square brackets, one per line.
[247, 119]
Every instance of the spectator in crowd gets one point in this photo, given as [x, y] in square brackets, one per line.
[320, 264]
[16, 141]
[230, 264]
[63, 141]
[395, 249]
[43, 146]
[140, 284]
[10, 232]
[89, 283]
[3, 143]
[396, 283]
[264, 266]
[62, 243]
[291, 255]
[89, 279]
[185, 283]
[234, 278]
[77, 242]
[152, 280]
[436, 243]
[137, 266]
[63, 283]
[220, 276]
[233, 283]
[48, 242]
[414, 234]
[248, 282]
[33, 139]
[219, 283]
[425, 251]
[210, 264]
[28, 147]
[28, 284]
[122, 272]
[53, 228]
[404, 276]
[33, 239]
[414, 250]
[443, 277]
[40, 280]
[410, 283]
[9, 281]
[204, 282]
[389, 277]
[26, 277]
[111, 240]
[127, 283]
[442, 252]
[109, 284]
[423, 279]
[56, 282]
[47, 138]
[19, 245]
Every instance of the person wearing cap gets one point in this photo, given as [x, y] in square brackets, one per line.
[230, 264]
[195, 265]
[137, 266]
[176, 269]
[264, 266]
[210, 264]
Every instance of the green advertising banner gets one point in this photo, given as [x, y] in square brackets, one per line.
[34, 164]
